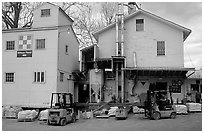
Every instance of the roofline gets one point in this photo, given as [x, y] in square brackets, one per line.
[160, 68]
[60, 9]
[32, 29]
[146, 12]
[87, 47]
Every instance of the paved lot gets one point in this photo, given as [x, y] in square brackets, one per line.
[191, 122]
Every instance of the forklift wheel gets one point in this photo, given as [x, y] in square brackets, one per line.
[156, 115]
[173, 115]
[63, 122]
[48, 122]
[73, 118]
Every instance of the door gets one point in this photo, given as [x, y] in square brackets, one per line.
[83, 93]
[161, 86]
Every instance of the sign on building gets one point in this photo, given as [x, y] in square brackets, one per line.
[24, 46]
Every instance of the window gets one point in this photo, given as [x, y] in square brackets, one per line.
[39, 77]
[160, 48]
[61, 77]
[66, 49]
[40, 43]
[139, 24]
[10, 45]
[45, 12]
[9, 77]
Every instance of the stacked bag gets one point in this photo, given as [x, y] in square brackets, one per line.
[43, 115]
[27, 115]
[193, 107]
[181, 109]
[137, 110]
[112, 111]
[11, 111]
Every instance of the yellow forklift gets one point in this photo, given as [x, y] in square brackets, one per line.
[157, 105]
[61, 110]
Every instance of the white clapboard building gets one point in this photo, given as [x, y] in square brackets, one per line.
[39, 60]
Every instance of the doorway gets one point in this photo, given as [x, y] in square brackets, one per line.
[83, 93]
[161, 86]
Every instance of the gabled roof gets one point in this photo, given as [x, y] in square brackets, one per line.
[60, 9]
[185, 30]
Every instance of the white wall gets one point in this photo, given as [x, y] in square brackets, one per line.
[48, 21]
[24, 91]
[67, 62]
[63, 20]
[106, 43]
[144, 43]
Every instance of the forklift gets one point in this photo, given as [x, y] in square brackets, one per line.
[158, 106]
[61, 110]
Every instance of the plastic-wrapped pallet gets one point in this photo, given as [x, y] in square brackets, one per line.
[43, 115]
[10, 111]
[89, 115]
[112, 111]
[27, 115]
[181, 109]
[193, 107]
[137, 110]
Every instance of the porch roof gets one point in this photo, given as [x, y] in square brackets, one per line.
[159, 71]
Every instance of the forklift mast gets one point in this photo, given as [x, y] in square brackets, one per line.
[63, 100]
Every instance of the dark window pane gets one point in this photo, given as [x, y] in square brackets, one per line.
[38, 77]
[42, 76]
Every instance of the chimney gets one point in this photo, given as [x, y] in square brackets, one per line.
[131, 7]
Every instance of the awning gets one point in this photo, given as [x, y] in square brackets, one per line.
[159, 71]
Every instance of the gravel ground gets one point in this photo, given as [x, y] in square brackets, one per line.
[135, 122]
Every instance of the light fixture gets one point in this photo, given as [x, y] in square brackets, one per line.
[68, 30]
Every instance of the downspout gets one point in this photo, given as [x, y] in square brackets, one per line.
[122, 54]
[58, 41]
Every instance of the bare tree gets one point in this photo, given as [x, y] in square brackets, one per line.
[108, 11]
[11, 13]
[84, 25]
[17, 14]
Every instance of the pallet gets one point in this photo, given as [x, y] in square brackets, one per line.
[194, 111]
[42, 119]
[103, 116]
[181, 113]
[26, 120]
[9, 117]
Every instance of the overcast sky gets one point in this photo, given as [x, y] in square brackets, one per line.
[189, 15]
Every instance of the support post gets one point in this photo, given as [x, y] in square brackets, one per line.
[122, 29]
[122, 84]
[116, 37]
[116, 82]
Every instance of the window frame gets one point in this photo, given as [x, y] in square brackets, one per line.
[5, 80]
[37, 45]
[66, 49]
[61, 77]
[44, 10]
[38, 77]
[136, 24]
[161, 48]
[13, 46]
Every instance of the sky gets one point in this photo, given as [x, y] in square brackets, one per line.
[189, 15]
